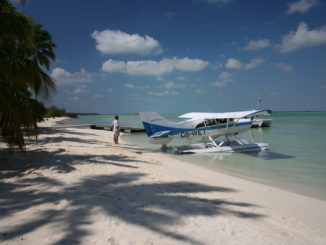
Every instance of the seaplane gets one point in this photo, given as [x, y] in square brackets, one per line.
[208, 127]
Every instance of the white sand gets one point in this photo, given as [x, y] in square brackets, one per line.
[76, 187]
[52, 121]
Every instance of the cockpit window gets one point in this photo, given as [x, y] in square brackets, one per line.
[213, 122]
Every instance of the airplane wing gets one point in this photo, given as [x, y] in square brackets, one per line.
[160, 134]
[223, 115]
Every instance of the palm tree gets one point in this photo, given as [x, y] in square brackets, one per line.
[25, 50]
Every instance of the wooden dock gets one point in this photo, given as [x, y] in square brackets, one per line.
[99, 127]
[122, 129]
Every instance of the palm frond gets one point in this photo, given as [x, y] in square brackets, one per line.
[25, 49]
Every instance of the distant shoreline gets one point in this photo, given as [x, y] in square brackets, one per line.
[121, 114]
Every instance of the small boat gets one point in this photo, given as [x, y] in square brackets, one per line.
[257, 122]
[261, 121]
[267, 122]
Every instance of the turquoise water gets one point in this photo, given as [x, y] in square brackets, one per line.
[296, 162]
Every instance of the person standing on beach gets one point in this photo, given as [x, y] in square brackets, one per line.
[116, 129]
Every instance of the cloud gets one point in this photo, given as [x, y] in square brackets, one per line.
[159, 78]
[80, 91]
[253, 63]
[186, 64]
[118, 42]
[154, 68]
[98, 96]
[223, 79]
[236, 64]
[180, 78]
[302, 37]
[112, 66]
[219, 83]
[284, 67]
[75, 98]
[225, 75]
[64, 77]
[258, 44]
[132, 86]
[149, 67]
[166, 92]
[171, 85]
[217, 66]
[233, 64]
[301, 6]
[199, 91]
[170, 15]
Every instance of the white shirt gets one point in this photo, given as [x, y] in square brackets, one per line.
[115, 125]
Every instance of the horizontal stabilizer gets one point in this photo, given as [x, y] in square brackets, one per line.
[160, 134]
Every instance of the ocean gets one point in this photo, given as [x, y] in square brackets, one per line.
[296, 162]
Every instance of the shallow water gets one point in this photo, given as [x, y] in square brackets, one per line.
[296, 162]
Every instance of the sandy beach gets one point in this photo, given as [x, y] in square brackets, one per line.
[76, 187]
[53, 121]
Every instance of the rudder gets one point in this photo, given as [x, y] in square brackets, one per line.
[153, 122]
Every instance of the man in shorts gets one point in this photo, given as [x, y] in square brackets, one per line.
[116, 129]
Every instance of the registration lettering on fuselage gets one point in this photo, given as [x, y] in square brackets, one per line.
[186, 134]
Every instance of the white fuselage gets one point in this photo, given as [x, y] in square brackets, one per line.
[218, 130]
[232, 128]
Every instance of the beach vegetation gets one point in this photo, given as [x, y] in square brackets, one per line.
[26, 50]
[54, 111]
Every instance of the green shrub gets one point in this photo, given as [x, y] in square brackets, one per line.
[71, 114]
[54, 111]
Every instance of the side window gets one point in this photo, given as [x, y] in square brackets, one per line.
[210, 122]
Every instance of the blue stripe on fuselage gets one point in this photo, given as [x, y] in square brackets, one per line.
[152, 128]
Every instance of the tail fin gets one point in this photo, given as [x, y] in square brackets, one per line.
[152, 117]
[153, 122]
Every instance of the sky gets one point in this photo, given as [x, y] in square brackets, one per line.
[178, 56]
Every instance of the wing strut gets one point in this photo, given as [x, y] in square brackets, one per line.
[213, 142]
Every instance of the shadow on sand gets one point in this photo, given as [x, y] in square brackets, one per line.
[59, 161]
[153, 206]
[116, 195]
